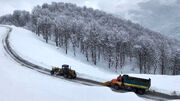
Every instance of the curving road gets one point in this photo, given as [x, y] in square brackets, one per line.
[149, 95]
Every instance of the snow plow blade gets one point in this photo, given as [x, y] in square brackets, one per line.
[108, 83]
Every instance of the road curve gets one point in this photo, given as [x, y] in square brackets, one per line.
[149, 95]
[40, 69]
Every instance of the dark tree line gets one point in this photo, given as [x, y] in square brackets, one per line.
[101, 37]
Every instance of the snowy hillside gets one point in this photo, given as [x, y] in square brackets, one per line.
[39, 52]
[21, 84]
[101, 37]
[98, 45]
[44, 54]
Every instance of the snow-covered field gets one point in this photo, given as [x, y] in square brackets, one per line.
[22, 84]
[47, 55]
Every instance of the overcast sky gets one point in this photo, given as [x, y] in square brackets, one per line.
[122, 8]
[154, 14]
[112, 6]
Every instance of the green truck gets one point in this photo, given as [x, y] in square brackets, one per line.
[138, 85]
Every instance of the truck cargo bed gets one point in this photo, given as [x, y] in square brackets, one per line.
[136, 82]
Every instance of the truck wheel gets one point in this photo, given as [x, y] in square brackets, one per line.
[65, 76]
[60, 74]
[129, 88]
[116, 86]
[135, 90]
[141, 91]
[69, 77]
[52, 72]
[74, 77]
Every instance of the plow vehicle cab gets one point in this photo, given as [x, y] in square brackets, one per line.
[64, 71]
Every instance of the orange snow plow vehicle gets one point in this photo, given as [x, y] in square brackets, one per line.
[138, 85]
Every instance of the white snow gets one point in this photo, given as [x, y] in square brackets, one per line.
[18, 83]
[22, 84]
[47, 55]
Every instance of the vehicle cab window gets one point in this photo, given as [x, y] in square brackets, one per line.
[119, 78]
